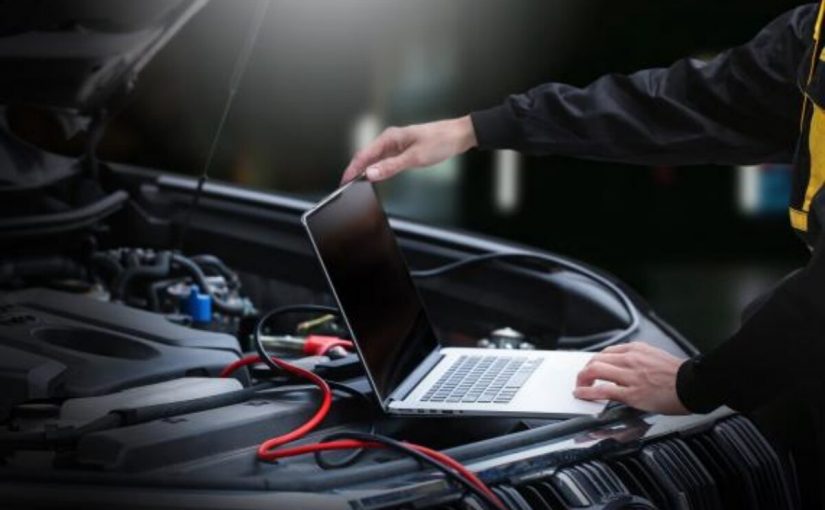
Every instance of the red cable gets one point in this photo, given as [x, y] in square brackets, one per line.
[266, 451]
[349, 444]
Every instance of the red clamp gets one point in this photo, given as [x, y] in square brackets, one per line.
[318, 345]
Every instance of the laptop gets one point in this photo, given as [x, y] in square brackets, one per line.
[409, 370]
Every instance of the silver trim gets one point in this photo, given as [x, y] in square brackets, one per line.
[417, 376]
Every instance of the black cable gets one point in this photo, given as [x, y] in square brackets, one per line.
[257, 331]
[612, 287]
[420, 457]
[444, 269]
[265, 358]
[390, 443]
[398, 446]
[355, 456]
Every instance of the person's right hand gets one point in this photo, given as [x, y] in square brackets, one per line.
[644, 377]
[398, 149]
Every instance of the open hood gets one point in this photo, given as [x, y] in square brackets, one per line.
[77, 55]
[76, 59]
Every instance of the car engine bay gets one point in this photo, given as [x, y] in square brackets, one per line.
[123, 331]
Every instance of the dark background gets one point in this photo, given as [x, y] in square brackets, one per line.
[678, 235]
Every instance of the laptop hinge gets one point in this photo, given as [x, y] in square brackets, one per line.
[411, 381]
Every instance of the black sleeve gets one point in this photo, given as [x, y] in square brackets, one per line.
[779, 350]
[741, 107]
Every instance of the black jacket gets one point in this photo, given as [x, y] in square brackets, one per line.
[742, 107]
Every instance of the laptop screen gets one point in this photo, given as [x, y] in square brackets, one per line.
[372, 284]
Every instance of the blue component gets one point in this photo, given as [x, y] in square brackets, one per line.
[198, 306]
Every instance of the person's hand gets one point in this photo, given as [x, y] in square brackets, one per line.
[398, 149]
[644, 377]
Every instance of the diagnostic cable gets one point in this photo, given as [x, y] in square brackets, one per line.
[620, 336]
[271, 449]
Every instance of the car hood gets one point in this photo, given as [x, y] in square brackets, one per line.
[76, 59]
[76, 56]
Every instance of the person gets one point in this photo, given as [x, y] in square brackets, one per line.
[761, 102]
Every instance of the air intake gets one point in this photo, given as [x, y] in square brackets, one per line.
[729, 466]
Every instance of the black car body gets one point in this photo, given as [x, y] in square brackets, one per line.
[83, 244]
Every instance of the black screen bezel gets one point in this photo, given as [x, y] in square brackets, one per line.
[305, 220]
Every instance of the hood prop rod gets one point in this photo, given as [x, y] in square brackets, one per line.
[240, 66]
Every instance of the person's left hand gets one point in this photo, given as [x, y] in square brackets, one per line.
[644, 377]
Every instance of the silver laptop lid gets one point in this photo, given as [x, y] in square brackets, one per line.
[371, 282]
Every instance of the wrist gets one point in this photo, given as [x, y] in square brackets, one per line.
[465, 133]
[694, 393]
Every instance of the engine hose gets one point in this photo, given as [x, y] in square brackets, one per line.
[109, 263]
[155, 290]
[197, 273]
[160, 269]
[207, 260]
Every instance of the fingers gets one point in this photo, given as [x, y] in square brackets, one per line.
[605, 372]
[628, 347]
[387, 168]
[614, 365]
[364, 158]
[388, 143]
[616, 359]
[601, 392]
[617, 349]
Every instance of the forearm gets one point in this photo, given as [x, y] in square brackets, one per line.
[741, 107]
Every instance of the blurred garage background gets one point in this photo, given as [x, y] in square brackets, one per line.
[327, 75]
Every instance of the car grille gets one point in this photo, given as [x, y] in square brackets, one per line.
[729, 466]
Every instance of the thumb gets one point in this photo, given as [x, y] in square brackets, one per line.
[388, 167]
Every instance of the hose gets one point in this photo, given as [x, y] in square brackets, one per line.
[214, 262]
[160, 269]
[109, 263]
[155, 290]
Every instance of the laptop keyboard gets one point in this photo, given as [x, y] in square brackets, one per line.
[482, 379]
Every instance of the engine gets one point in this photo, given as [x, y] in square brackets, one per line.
[142, 335]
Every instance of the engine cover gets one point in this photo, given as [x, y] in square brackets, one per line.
[57, 344]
